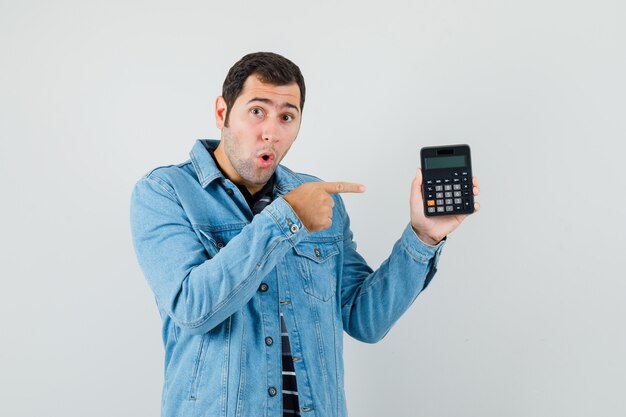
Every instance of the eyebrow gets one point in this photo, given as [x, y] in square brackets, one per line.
[268, 101]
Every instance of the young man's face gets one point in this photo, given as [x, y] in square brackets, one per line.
[262, 124]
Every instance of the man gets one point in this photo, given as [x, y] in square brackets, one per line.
[253, 266]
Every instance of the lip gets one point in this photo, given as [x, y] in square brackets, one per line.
[265, 163]
[268, 153]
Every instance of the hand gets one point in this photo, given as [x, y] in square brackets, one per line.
[432, 230]
[313, 204]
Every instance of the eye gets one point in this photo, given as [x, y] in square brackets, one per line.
[287, 117]
[256, 111]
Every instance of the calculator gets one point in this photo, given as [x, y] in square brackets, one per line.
[447, 180]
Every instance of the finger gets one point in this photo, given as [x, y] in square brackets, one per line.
[325, 221]
[476, 191]
[418, 176]
[341, 187]
[416, 185]
[476, 207]
[475, 181]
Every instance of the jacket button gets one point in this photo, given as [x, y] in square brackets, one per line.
[318, 253]
[229, 191]
[294, 228]
[220, 245]
[269, 341]
[264, 287]
[272, 391]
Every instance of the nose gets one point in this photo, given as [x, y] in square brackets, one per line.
[270, 131]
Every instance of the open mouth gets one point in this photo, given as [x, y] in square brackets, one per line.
[266, 159]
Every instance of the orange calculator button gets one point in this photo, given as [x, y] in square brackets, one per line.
[430, 203]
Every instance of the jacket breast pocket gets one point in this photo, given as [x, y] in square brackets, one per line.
[317, 267]
[214, 238]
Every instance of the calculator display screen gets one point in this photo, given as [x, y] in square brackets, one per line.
[457, 161]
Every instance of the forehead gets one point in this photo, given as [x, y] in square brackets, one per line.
[278, 94]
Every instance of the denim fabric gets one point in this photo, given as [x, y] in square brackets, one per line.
[205, 257]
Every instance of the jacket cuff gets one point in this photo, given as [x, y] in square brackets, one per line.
[287, 220]
[420, 251]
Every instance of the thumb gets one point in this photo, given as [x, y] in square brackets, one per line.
[416, 186]
[418, 176]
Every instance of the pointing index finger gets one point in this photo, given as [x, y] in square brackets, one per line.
[342, 187]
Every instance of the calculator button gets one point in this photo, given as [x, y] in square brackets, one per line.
[456, 187]
[449, 208]
[447, 181]
[457, 208]
[430, 188]
[464, 179]
[430, 203]
[440, 202]
[438, 195]
[448, 194]
[430, 196]
[457, 201]
[438, 187]
[456, 174]
[466, 193]
[464, 173]
[448, 201]
[457, 194]
[465, 186]
[431, 209]
[456, 180]
[438, 181]
[429, 182]
[440, 209]
[447, 187]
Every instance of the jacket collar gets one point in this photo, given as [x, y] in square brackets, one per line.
[203, 162]
[207, 171]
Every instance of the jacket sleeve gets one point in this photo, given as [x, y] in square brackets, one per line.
[372, 301]
[196, 291]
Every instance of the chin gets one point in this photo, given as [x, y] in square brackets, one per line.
[259, 180]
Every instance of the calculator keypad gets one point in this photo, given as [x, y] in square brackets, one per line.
[449, 195]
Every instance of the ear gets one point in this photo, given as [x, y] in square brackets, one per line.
[220, 112]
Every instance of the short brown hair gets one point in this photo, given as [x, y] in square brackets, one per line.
[269, 67]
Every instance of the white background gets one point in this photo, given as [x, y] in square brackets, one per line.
[526, 314]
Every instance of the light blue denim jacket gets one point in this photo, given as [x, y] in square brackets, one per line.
[205, 257]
